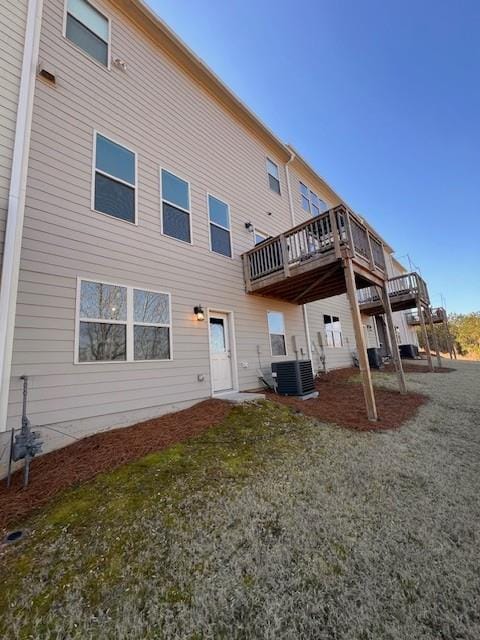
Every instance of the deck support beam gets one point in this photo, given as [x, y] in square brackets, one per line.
[360, 340]
[397, 361]
[425, 334]
[435, 338]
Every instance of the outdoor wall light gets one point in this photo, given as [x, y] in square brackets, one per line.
[249, 226]
[198, 311]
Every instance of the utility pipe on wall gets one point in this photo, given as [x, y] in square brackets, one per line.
[292, 216]
[16, 200]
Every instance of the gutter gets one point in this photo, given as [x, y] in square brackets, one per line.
[16, 200]
[292, 216]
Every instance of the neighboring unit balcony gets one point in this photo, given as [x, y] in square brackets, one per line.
[405, 292]
[438, 314]
[306, 263]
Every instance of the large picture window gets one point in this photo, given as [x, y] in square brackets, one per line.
[119, 323]
[333, 331]
[115, 179]
[219, 219]
[86, 27]
[175, 207]
[276, 329]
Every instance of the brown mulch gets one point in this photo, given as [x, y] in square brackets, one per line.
[84, 459]
[341, 402]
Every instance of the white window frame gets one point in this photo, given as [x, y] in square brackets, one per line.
[277, 177]
[284, 334]
[82, 51]
[257, 232]
[332, 332]
[210, 194]
[309, 200]
[108, 175]
[129, 323]
[172, 204]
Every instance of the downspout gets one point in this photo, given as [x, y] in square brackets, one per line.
[16, 200]
[292, 216]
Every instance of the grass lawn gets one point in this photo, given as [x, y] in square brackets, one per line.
[270, 525]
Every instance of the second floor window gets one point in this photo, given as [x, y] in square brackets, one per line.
[333, 331]
[115, 180]
[311, 202]
[273, 176]
[175, 207]
[219, 218]
[88, 29]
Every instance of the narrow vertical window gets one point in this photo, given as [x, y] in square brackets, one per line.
[305, 199]
[276, 329]
[114, 180]
[102, 332]
[88, 29]
[151, 325]
[273, 176]
[175, 207]
[219, 219]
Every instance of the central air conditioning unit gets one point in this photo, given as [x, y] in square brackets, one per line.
[294, 377]
[375, 357]
[409, 351]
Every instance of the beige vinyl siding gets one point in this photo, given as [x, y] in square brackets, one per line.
[335, 357]
[12, 35]
[159, 113]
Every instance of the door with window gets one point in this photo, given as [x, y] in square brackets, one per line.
[220, 353]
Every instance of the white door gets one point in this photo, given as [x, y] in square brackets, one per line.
[220, 354]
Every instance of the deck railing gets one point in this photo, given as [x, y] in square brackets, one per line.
[438, 315]
[408, 283]
[327, 232]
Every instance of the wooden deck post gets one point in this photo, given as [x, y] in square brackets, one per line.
[425, 334]
[451, 346]
[360, 340]
[435, 338]
[397, 361]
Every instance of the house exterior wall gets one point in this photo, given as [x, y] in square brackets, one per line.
[12, 35]
[159, 112]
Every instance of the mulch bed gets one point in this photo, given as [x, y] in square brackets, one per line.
[341, 402]
[82, 460]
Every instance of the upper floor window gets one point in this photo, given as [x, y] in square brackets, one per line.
[311, 202]
[333, 331]
[118, 323]
[175, 207]
[276, 329]
[219, 218]
[88, 29]
[273, 176]
[115, 179]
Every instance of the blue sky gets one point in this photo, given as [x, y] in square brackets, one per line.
[381, 97]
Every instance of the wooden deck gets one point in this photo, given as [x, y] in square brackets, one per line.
[439, 315]
[405, 292]
[307, 262]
